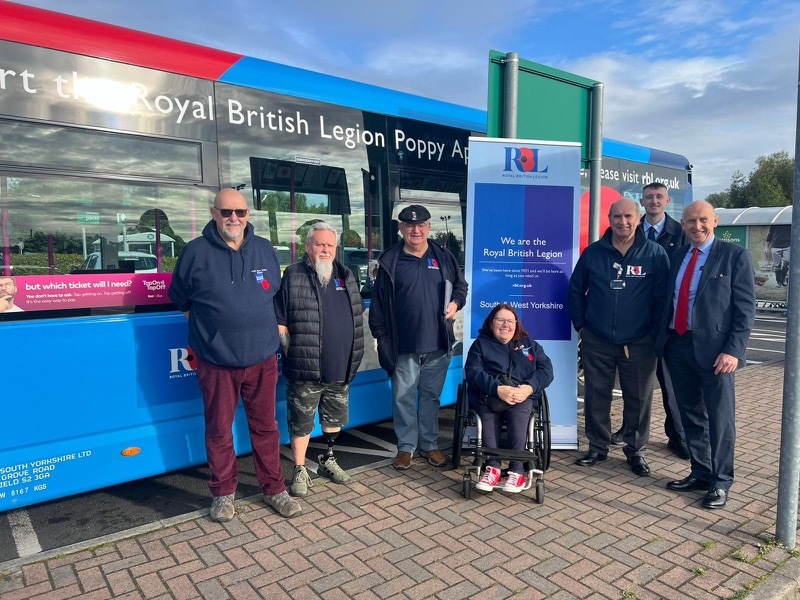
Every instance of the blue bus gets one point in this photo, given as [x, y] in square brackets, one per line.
[114, 144]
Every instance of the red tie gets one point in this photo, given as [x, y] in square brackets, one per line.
[682, 310]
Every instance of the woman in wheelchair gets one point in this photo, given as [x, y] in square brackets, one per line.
[505, 372]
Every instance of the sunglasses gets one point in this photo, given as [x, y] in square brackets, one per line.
[227, 212]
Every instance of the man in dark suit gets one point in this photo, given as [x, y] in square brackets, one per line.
[659, 227]
[703, 336]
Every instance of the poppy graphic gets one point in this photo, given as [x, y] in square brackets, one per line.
[191, 358]
[607, 197]
[526, 160]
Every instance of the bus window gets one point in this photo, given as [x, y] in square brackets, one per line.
[444, 197]
[284, 256]
[289, 197]
[73, 148]
[57, 226]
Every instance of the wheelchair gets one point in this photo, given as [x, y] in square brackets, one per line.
[467, 436]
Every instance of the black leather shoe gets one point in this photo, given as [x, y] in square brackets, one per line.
[715, 498]
[680, 449]
[616, 438]
[639, 466]
[688, 484]
[590, 459]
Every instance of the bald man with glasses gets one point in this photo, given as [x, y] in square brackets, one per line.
[225, 282]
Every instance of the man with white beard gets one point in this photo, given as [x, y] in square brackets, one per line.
[321, 330]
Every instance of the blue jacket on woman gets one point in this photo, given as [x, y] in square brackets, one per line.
[488, 358]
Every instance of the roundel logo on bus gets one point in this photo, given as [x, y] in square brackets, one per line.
[524, 159]
[182, 360]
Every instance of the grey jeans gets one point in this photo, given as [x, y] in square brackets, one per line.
[416, 386]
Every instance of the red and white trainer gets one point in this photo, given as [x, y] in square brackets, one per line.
[490, 480]
[514, 483]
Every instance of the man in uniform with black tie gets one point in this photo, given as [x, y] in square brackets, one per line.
[703, 337]
[659, 227]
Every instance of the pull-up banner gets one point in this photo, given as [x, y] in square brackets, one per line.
[523, 204]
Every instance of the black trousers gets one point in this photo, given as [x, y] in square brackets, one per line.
[708, 412]
[601, 362]
[673, 426]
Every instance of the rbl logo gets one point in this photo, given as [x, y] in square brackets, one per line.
[524, 159]
[182, 359]
[634, 271]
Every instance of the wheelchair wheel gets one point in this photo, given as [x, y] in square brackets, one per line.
[542, 433]
[540, 491]
[459, 423]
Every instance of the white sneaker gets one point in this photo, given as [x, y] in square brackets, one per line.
[490, 480]
[328, 467]
[514, 483]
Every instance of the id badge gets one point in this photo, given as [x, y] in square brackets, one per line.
[617, 284]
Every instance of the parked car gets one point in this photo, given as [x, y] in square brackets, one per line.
[143, 262]
[358, 261]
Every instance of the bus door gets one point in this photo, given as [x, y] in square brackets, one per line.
[289, 196]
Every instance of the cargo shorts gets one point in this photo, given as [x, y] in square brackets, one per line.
[303, 398]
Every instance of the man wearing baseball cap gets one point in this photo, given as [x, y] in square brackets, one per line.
[418, 290]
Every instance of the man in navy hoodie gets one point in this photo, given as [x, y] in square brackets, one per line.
[224, 282]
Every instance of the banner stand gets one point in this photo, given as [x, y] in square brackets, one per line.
[523, 206]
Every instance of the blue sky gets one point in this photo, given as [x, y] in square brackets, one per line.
[713, 80]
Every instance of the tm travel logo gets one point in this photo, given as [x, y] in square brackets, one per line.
[524, 162]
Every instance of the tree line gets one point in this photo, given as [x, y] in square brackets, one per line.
[771, 183]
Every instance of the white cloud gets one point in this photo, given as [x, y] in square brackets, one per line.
[685, 14]
[721, 112]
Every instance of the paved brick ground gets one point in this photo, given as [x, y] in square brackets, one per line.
[601, 533]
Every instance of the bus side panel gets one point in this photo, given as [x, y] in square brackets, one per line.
[114, 399]
[104, 407]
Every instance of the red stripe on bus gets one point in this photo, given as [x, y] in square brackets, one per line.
[38, 27]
